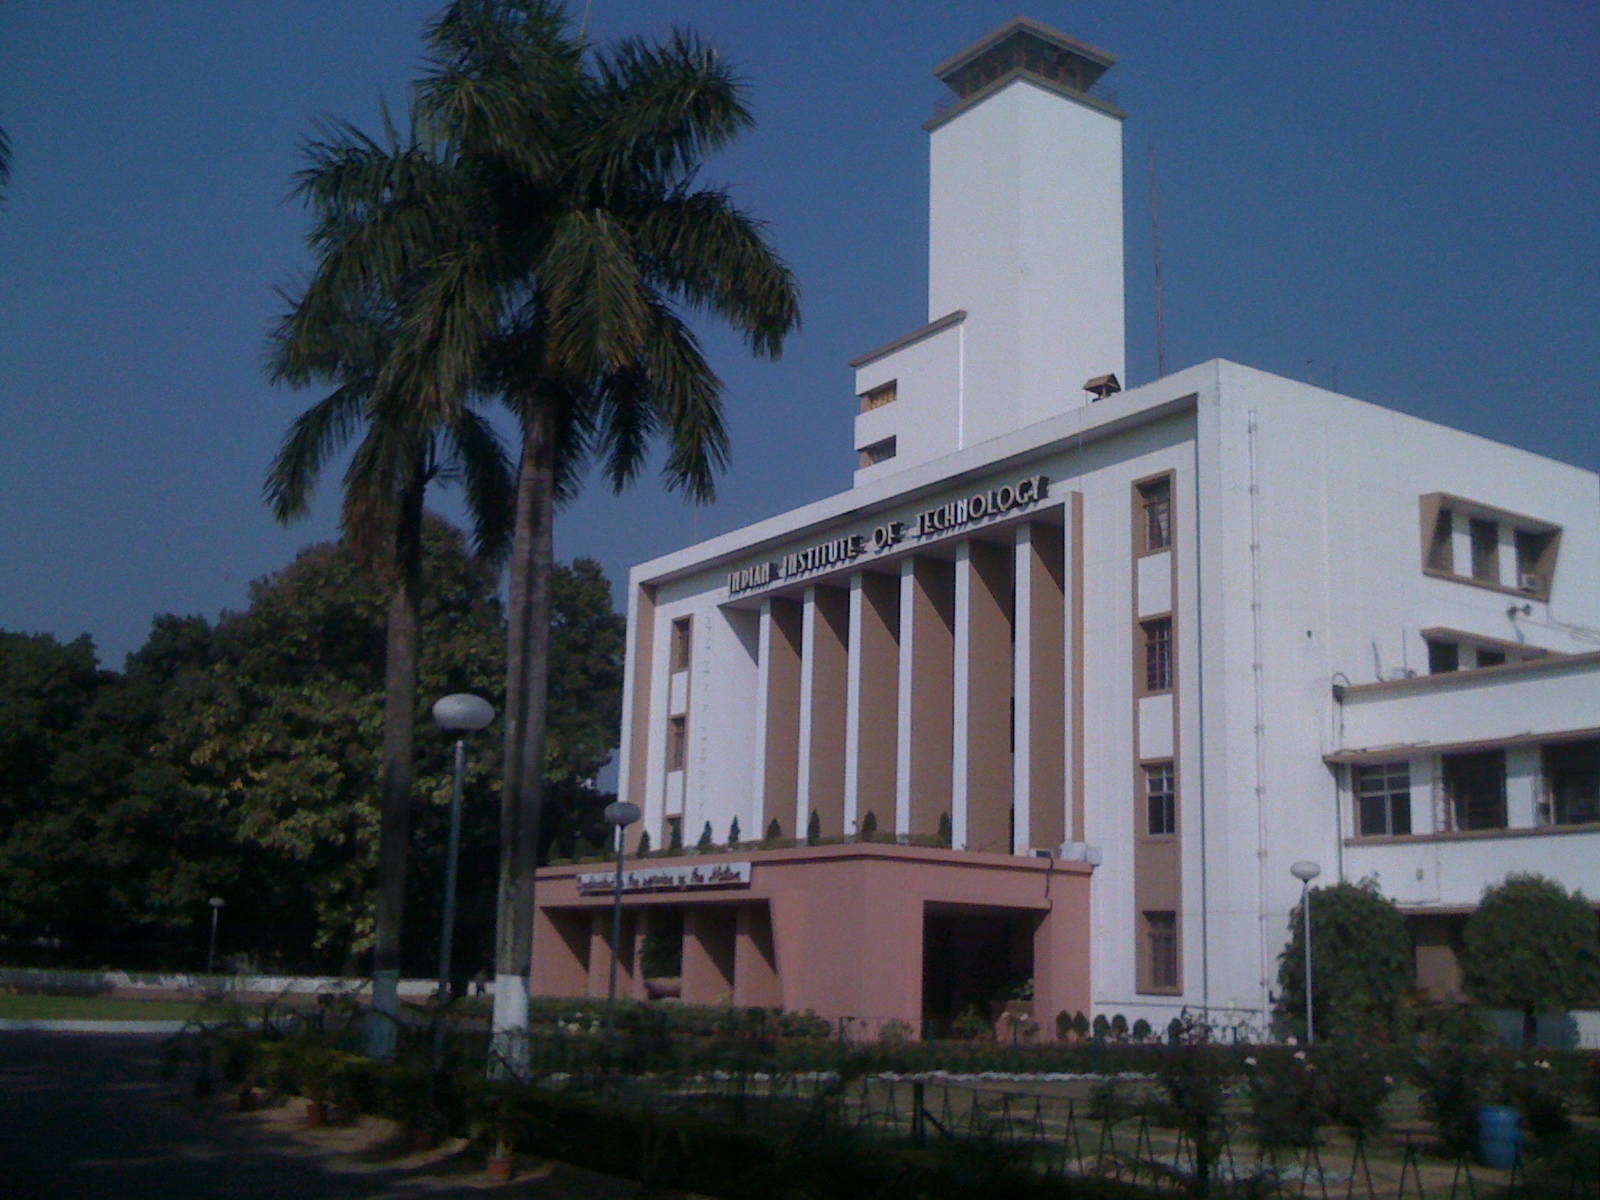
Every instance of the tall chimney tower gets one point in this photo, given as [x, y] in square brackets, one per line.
[1025, 270]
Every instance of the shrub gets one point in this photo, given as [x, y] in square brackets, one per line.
[1194, 1076]
[1455, 1079]
[869, 826]
[1539, 1090]
[1286, 1096]
[707, 838]
[814, 829]
[1357, 1083]
[733, 833]
[1362, 963]
[774, 830]
[1531, 945]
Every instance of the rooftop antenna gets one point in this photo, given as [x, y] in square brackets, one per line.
[1155, 222]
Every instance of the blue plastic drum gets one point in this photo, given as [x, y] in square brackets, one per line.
[1499, 1137]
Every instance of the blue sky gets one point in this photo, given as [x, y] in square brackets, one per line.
[1405, 193]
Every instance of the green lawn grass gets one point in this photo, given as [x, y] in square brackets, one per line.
[93, 1008]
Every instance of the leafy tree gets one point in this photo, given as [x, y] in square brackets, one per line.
[580, 233]
[1531, 946]
[348, 329]
[1361, 962]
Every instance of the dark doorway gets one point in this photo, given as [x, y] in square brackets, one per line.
[974, 960]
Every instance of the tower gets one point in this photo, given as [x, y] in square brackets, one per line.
[1025, 300]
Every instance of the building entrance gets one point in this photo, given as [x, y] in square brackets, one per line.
[974, 961]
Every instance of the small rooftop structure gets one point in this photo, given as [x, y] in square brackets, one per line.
[1028, 47]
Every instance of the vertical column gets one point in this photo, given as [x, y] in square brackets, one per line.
[926, 700]
[1073, 598]
[1039, 764]
[825, 640]
[636, 734]
[981, 803]
[755, 961]
[872, 709]
[780, 709]
[710, 937]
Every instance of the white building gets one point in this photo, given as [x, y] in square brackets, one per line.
[1176, 637]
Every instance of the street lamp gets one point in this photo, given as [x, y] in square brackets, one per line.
[1305, 871]
[461, 713]
[620, 814]
[211, 955]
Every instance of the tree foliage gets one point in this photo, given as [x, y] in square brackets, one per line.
[241, 759]
[1532, 946]
[1361, 962]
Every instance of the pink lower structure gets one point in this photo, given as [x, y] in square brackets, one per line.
[834, 930]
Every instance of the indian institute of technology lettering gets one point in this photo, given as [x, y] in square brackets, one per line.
[928, 523]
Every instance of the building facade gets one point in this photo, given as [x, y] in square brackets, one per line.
[1056, 693]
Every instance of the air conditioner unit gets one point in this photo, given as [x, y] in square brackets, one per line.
[1530, 582]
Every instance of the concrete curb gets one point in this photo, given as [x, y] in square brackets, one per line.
[43, 1025]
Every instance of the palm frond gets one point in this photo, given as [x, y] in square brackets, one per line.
[488, 480]
[316, 435]
[497, 74]
[5, 163]
[687, 394]
[595, 299]
[716, 257]
[657, 111]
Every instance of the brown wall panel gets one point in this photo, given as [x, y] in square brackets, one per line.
[933, 648]
[830, 645]
[988, 618]
[782, 767]
[880, 697]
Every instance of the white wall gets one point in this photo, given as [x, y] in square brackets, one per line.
[1025, 234]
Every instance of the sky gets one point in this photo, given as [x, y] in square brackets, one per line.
[1402, 198]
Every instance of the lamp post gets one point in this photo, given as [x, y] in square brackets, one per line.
[621, 814]
[1305, 871]
[460, 713]
[211, 954]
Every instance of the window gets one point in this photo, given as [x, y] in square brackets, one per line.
[1572, 783]
[1491, 658]
[1443, 657]
[876, 453]
[1441, 546]
[1155, 504]
[1160, 799]
[1161, 950]
[1535, 560]
[677, 743]
[1485, 550]
[884, 393]
[682, 644]
[1383, 799]
[1158, 655]
[1475, 789]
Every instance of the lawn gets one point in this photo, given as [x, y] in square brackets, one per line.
[94, 1008]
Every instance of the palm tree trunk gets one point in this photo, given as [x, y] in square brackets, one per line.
[527, 672]
[399, 722]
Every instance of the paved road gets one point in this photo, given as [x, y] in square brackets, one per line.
[86, 1115]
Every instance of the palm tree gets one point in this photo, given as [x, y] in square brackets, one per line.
[590, 238]
[550, 240]
[348, 330]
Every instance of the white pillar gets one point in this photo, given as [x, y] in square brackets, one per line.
[908, 633]
[852, 709]
[963, 694]
[1022, 687]
[808, 669]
